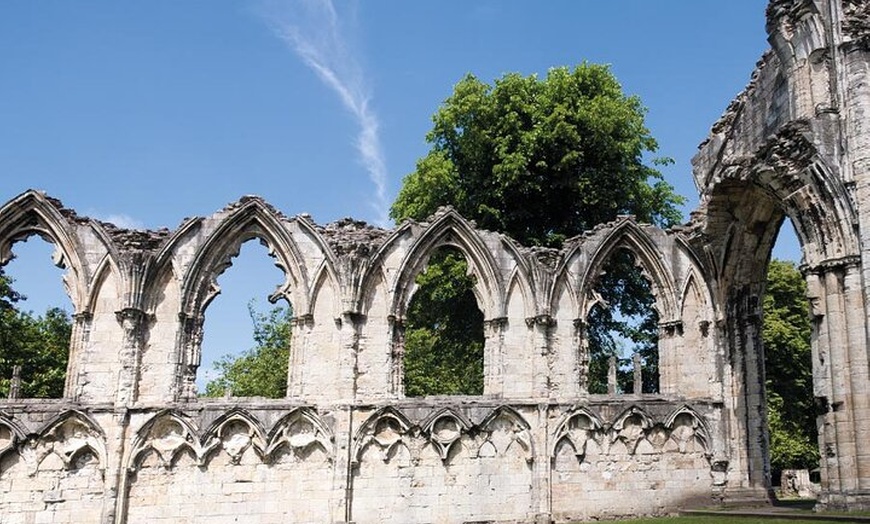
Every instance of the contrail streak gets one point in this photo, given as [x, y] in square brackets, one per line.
[312, 28]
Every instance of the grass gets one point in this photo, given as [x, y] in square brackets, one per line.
[717, 520]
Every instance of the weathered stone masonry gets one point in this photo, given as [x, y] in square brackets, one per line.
[131, 441]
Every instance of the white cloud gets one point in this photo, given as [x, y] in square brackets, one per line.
[313, 29]
[122, 221]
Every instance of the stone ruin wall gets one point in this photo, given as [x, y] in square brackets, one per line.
[131, 440]
[794, 147]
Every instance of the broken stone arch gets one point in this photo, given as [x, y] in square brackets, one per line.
[626, 234]
[450, 229]
[791, 145]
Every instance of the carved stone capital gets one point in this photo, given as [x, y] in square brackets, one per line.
[541, 320]
[671, 328]
[833, 264]
[495, 323]
[305, 320]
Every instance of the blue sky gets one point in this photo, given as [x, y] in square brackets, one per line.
[145, 113]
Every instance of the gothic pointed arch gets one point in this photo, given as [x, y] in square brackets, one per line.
[630, 428]
[444, 428]
[35, 213]
[127, 257]
[531, 278]
[166, 434]
[745, 203]
[386, 428]
[518, 282]
[11, 434]
[635, 412]
[104, 268]
[684, 422]
[449, 229]
[234, 432]
[323, 281]
[300, 430]
[575, 428]
[693, 285]
[250, 218]
[625, 233]
[513, 429]
[76, 433]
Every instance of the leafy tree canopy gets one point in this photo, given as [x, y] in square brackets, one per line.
[788, 364]
[540, 160]
[39, 344]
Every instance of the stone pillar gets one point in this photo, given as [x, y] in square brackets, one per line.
[15, 383]
[350, 325]
[76, 369]
[396, 327]
[669, 365]
[638, 374]
[190, 345]
[133, 322]
[493, 356]
[859, 374]
[853, 82]
[543, 358]
[582, 351]
[841, 384]
[758, 439]
[300, 331]
[542, 465]
[611, 376]
[748, 472]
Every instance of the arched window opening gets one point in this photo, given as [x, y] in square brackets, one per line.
[236, 360]
[444, 330]
[622, 330]
[35, 324]
[786, 337]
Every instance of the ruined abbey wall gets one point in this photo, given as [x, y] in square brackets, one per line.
[132, 441]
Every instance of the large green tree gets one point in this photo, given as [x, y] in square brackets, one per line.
[788, 365]
[37, 343]
[541, 160]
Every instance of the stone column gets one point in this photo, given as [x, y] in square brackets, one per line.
[396, 327]
[611, 376]
[582, 351]
[493, 356]
[669, 365]
[748, 474]
[133, 322]
[853, 82]
[758, 439]
[841, 384]
[77, 368]
[859, 374]
[300, 331]
[638, 374]
[190, 345]
[350, 324]
[542, 466]
[543, 358]
[15, 383]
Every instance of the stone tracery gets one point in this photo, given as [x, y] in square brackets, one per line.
[791, 146]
